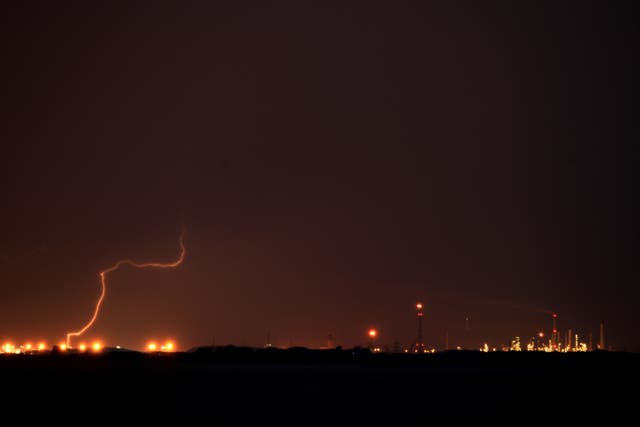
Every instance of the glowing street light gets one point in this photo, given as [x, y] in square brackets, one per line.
[373, 333]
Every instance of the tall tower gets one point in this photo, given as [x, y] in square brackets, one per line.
[419, 341]
[554, 332]
[467, 332]
[330, 341]
[601, 344]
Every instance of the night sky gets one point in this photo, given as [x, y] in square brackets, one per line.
[333, 165]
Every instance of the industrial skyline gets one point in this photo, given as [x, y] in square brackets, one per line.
[538, 341]
[335, 164]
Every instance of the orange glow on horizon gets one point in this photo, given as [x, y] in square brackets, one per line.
[28, 346]
[82, 347]
[168, 346]
[97, 346]
[152, 346]
[41, 346]
[62, 347]
[103, 284]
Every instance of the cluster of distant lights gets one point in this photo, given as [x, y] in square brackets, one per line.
[538, 344]
[94, 347]
[9, 348]
[532, 347]
[167, 346]
[535, 343]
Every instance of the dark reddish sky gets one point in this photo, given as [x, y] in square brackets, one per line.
[333, 165]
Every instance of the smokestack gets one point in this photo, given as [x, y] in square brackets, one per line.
[419, 342]
[569, 339]
[601, 345]
[554, 333]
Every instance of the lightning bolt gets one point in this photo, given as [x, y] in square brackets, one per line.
[103, 282]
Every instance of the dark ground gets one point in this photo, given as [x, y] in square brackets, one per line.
[306, 385]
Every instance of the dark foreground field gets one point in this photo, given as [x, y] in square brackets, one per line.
[242, 384]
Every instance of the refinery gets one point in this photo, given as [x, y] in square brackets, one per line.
[539, 342]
